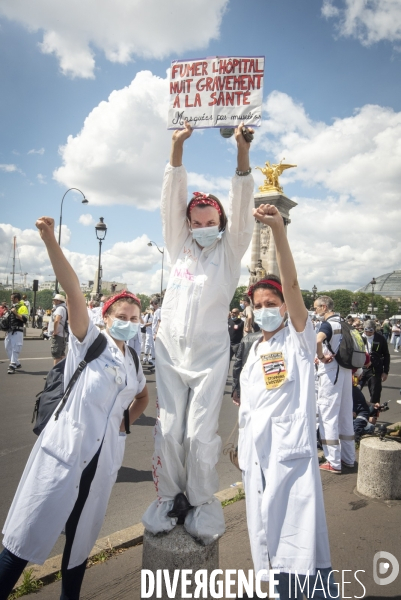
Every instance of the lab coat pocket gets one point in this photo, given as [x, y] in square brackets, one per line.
[63, 438]
[290, 437]
[118, 454]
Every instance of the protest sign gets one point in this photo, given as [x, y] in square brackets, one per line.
[216, 91]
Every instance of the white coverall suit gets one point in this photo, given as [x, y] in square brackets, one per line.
[192, 349]
[334, 406]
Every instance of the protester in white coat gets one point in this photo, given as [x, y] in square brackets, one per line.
[192, 344]
[277, 433]
[334, 399]
[71, 470]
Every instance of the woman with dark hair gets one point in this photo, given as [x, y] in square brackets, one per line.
[277, 432]
[192, 345]
[71, 470]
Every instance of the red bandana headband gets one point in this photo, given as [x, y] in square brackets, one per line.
[201, 198]
[269, 281]
[111, 301]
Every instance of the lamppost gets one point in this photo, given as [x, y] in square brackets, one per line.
[314, 292]
[101, 230]
[162, 253]
[373, 283]
[84, 201]
[385, 309]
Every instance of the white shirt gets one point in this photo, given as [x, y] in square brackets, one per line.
[156, 319]
[334, 342]
[61, 311]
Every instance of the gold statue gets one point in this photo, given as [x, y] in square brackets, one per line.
[272, 173]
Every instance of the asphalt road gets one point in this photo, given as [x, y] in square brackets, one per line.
[134, 489]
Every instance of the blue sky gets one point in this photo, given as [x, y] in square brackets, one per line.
[83, 103]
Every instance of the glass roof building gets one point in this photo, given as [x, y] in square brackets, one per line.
[388, 286]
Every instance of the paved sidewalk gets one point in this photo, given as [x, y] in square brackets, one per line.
[358, 528]
[30, 334]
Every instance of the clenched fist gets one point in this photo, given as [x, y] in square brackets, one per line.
[269, 215]
[46, 228]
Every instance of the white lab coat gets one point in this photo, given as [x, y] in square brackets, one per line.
[277, 437]
[49, 485]
[192, 350]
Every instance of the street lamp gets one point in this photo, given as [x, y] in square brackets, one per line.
[314, 292]
[162, 253]
[373, 283]
[101, 230]
[84, 201]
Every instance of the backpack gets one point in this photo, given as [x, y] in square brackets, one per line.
[351, 353]
[5, 321]
[53, 394]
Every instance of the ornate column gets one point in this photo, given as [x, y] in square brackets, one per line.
[263, 246]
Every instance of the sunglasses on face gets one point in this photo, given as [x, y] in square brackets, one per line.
[370, 330]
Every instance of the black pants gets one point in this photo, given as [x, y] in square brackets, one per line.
[11, 566]
[374, 382]
[233, 350]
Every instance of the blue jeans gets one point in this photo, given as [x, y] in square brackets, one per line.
[293, 591]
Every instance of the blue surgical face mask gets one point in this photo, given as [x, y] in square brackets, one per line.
[123, 330]
[205, 236]
[268, 319]
[242, 306]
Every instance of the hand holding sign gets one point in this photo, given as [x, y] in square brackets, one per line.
[180, 135]
[243, 135]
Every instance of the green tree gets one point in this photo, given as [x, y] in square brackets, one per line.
[145, 301]
[238, 295]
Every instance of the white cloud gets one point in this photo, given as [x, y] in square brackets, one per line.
[122, 29]
[122, 149]
[121, 152]
[86, 220]
[132, 262]
[40, 151]
[350, 230]
[41, 178]
[8, 168]
[369, 22]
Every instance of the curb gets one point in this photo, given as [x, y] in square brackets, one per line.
[132, 536]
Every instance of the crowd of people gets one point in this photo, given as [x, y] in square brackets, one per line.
[285, 371]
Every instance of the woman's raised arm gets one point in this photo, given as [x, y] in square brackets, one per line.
[177, 144]
[77, 311]
[268, 214]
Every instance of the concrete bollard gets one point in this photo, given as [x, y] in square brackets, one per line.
[379, 470]
[177, 550]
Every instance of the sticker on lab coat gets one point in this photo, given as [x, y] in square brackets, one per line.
[274, 369]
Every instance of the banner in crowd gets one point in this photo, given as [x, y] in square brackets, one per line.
[216, 91]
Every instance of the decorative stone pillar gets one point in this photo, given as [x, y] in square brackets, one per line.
[269, 258]
[379, 469]
[177, 550]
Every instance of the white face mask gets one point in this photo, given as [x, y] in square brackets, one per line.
[268, 319]
[205, 236]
